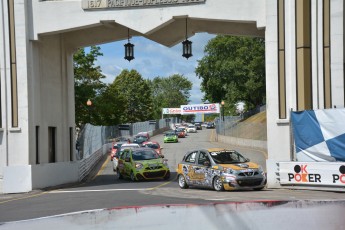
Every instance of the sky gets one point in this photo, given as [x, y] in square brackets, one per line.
[153, 60]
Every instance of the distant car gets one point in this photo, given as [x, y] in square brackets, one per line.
[181, 132]
[142, 164]
[191, 129]
[140, 139]
[204, 125]
[146, 134]
[116, 147]
[220, 169]
[154, 145]
[123, 139]
[170, 137]
[198, 126]
[210, 125]
[120, 151]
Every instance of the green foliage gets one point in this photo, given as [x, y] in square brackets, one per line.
[233, 70]
[88, 84]
[169, 92]
[135, 95]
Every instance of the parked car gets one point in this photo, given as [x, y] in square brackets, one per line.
[220, 169]
[154, 145]
[198, 126]
[181, 132]
[142, 164]
[170, 137]
[191, 129]
[120, 151]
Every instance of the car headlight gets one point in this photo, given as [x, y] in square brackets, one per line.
[261, 170]
[229, 170]
[138, 165]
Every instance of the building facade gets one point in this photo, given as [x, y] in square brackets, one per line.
[304, 67]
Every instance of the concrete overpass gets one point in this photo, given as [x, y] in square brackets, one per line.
[304, 66]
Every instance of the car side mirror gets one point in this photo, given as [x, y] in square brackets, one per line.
[162, 156]
[247, 159]
[207, 163]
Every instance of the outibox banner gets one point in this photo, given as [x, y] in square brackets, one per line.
[200, 108]
[319, 135]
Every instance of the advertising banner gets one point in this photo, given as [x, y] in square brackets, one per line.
[319, 135]
[200, 108]
[312, 173]
[171, 111]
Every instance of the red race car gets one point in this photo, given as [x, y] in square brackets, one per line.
[154, 145]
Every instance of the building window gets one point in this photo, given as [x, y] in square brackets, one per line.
[71, 147]
[303, 55]
[327, 87]
[52, 144]
[37, 144]
[13, 58]
[281, 60]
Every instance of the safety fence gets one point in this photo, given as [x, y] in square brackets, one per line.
[95, 141]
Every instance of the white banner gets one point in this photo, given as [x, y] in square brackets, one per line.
[312, 173]
[171, 111]
[200, 108]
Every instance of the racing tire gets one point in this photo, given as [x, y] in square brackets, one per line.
[182, 182]
[119, 175]
[167, 176]
[133, 177]
[218, 184]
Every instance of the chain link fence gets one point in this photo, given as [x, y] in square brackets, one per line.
[238, 126]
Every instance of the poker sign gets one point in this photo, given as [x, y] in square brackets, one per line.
[312, 173]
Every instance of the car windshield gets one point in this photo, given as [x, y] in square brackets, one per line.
[144, 155]
[191, 126]
[154, 146]
[180, 130]
[227, 157]
[170, 134]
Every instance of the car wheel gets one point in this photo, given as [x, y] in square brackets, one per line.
[119, 175]
[167, 176]
[133, 177]
[182, 182]
[218, 184]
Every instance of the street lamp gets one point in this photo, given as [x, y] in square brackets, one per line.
[187, 46]
[89, 104]
[223, 109]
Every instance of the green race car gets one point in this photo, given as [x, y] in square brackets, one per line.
[170, 138]
[142, 164]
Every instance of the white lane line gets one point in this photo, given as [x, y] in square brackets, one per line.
[98, 190]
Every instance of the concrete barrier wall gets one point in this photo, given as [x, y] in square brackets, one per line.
[241, 141]
[246, 215]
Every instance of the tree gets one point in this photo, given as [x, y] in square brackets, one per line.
[170, 92]
[233, 70]
[88, 84]
[135, 94]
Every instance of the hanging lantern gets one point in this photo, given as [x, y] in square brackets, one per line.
[187, 46]
[129, 50]
[187, 49]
